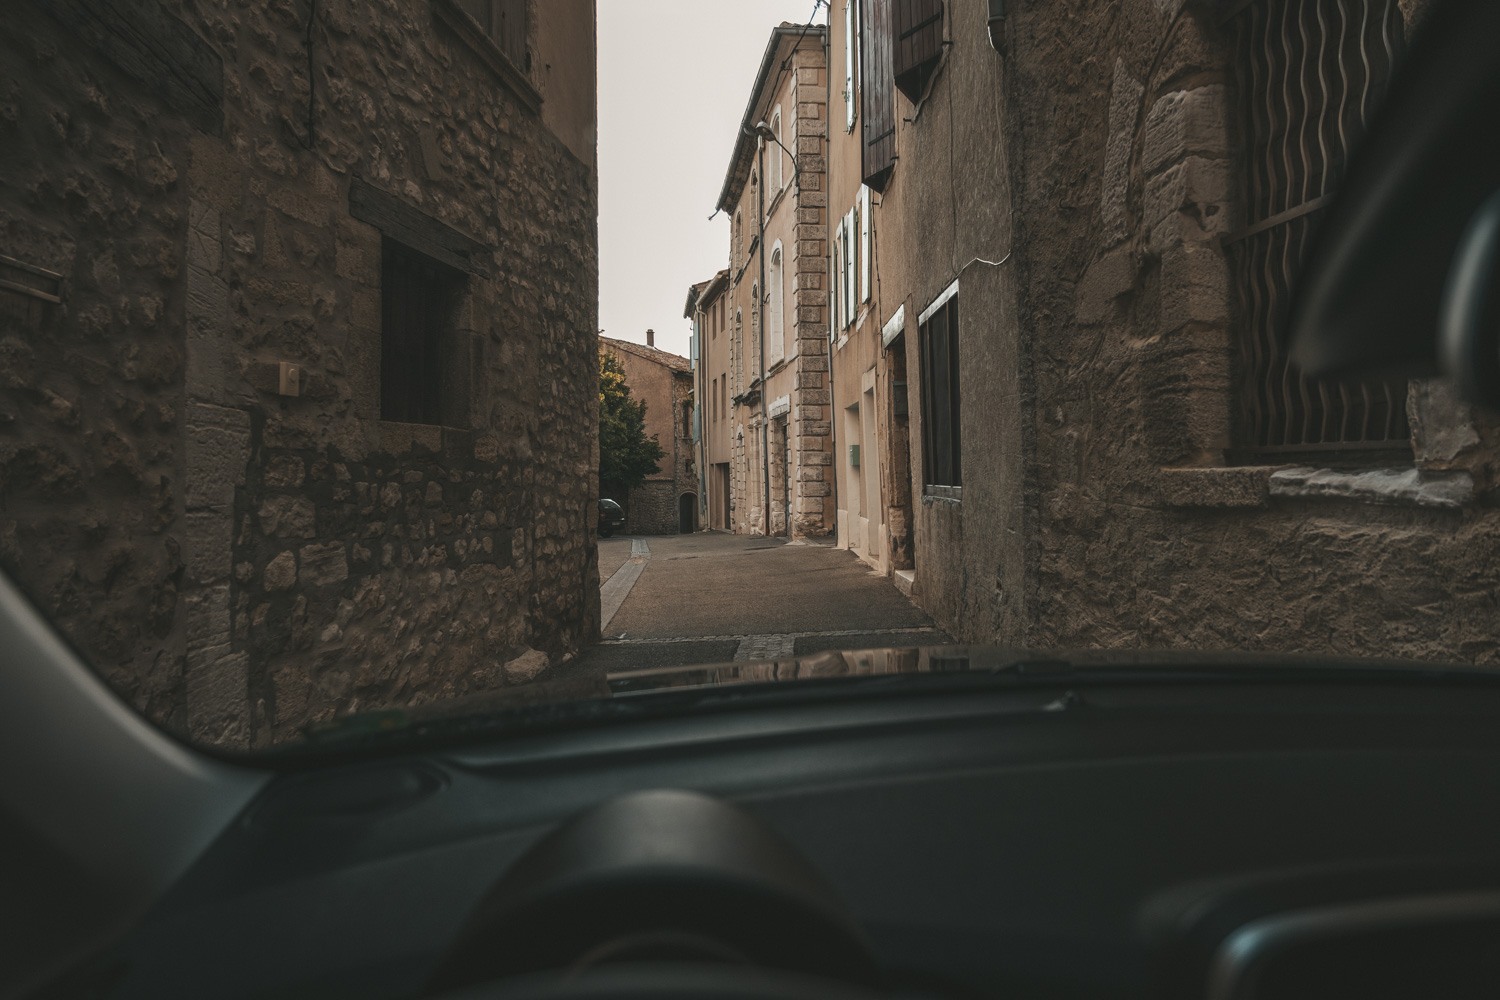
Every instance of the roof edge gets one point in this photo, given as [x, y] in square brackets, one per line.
[739, 159]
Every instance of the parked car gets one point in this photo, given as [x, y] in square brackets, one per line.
[611, 517]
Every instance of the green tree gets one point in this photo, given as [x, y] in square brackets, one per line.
[626, 455]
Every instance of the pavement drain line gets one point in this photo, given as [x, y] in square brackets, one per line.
[612, 592]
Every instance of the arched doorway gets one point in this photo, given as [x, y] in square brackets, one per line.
[687, 513]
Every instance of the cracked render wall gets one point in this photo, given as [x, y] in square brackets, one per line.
[239, 563]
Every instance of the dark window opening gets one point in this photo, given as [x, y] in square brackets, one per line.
[507, 24]
[941, 437]
[917, 44]
[422, 378]
[1309, 76]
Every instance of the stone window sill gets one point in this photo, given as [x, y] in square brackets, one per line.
[1403, 487]
[471, 34]
[1255, 486]
[945, 494]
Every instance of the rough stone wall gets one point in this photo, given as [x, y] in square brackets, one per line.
[92, 187]
[296, 557]
[1125, 183]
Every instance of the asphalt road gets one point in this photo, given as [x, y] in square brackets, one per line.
[712, 598]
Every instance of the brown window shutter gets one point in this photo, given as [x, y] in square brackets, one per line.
[513, 31]
[917, 43]
[877, 92]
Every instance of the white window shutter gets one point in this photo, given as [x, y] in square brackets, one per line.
[864, 243]
[850, 249]
[849, 64]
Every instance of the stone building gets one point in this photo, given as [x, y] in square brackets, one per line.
[297, 366]
[868, 303]
[708, 309]
[667, 502]
[1087, 258]
[780, 435]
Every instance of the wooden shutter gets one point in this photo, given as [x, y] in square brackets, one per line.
[877, 92]
[513, 31]
[917, 43]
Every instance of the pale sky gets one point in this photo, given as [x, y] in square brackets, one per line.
[674, 76]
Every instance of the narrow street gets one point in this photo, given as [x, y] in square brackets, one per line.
[713, 598]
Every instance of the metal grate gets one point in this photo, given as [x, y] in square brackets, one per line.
[1310, 72]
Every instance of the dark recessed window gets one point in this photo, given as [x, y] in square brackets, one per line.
[1309, 75]
[941, 438]
[420, 377]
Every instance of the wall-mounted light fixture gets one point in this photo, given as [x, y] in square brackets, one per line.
[997, 25]
[764, 131]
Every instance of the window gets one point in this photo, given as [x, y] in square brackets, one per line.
[757, 309]
[942, 469]
[1297, 119]
[773, 165]
[739, 351]
[917, 44]
[724, 396]
[777, 322]
[507, 25]
[735, 242]
[850, 40]
[846, 270]
[419, 302]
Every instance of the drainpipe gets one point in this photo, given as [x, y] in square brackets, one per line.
[760, 310]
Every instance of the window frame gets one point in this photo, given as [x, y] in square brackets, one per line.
[776, 299]
[1283, 191]
[420, 301]
[939, 372]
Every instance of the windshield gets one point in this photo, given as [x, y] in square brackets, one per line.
[453, 355]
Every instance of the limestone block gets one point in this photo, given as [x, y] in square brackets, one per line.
[1106, 280]
[1190, 200]
[218, 448]
[525, 667]
[207, 618]
[1184, 123]
[288, 517]
[218, 700]
[323, 564]
[1442, 424]
[209, 536]
[280, 573]
[1194, 286]
[1124, 108]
